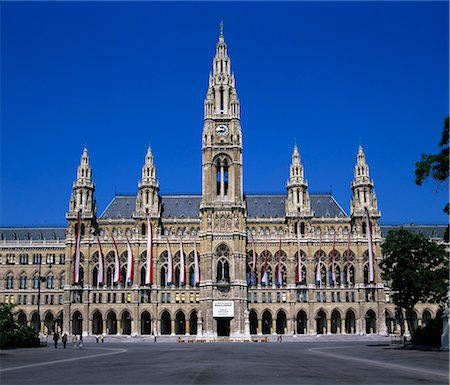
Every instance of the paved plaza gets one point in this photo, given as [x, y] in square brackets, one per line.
[288, 362]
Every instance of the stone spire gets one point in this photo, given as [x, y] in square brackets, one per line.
[362, 188]
[221, 98]
[298, 202]
[82, 198]
[147, 201]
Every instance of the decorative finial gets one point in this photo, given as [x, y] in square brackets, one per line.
[221, 26]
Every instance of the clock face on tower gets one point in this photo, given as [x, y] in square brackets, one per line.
[222, 130]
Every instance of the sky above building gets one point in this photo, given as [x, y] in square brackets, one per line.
[119, 76]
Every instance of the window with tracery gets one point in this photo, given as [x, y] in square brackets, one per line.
[223, 266]
[222, 176]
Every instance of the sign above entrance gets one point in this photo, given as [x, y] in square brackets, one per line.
[223, 309]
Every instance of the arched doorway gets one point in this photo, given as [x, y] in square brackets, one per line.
[22, 317]
[146, 323]
[321, 322]
[371, 322]
[193, 323]
[180, 323]
[35, 322]
[350, 322]
[388, 319]
[281, 322]
[97, 323]
[49, 323]
[253, 318]
[415, 320]
[266, 322]
[126, 323]
[166, 328]
[335, 322]
[77, 323]
[302, 322]
[111, 323]
[426, 317]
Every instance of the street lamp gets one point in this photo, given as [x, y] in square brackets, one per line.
[40, 279]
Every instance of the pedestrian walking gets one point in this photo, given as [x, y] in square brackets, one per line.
[102, 338]
[64, 340]
[74, 341]
[96, 338]
[56, 338]
[80, 342]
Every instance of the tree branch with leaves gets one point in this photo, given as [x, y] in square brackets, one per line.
[417, 270]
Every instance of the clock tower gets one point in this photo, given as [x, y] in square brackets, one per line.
[222, 237]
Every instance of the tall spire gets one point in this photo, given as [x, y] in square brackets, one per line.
[362, 188]
[82, 198]
[221, 97]
[147, 202]
[298, 202]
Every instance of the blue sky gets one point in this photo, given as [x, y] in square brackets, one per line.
[118, 76]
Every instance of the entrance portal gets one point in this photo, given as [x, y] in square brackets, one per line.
[223, 327]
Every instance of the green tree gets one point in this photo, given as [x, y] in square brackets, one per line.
[417, 269]
[435, 165]
[12, 332]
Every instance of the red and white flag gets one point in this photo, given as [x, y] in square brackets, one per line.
[264, 276]
[348, 259]
[369, 242]
[116, 263]
[169, 279]
[333, 272]
[279, 278]
[196, 266]
[76, 266]
[101, 270]
[319, 261]
[182, 268]
[130, 264]
[299, 257]
[148, 261]
[253, 272]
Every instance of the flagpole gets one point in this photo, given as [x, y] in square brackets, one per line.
[299, 258]
[348, 259]
[318, 275]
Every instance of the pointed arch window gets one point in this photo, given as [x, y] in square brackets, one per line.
[222, 176]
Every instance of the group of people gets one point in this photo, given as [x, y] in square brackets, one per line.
[77, 340]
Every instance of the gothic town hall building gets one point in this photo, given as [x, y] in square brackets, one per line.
[243, 249]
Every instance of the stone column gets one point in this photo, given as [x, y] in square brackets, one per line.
[358, 326]
[274, 326]
[134, 327]
[172, 327]
[199, 323]
[188, 326]
[259, 329]
[343, 326]
[104, 326]
[119, 327]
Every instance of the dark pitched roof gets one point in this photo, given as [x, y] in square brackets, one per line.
[32, 233]
[428, 231]
[258, 206]
[173, 206]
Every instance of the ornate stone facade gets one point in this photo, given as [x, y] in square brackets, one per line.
[228, 229]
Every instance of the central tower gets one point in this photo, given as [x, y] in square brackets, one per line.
[222, 210]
